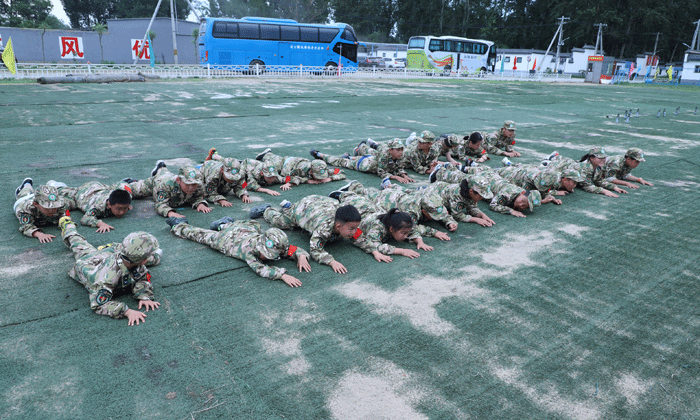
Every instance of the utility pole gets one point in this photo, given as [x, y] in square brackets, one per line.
[172, 18]
[656, 43]
[694, 45]
[599, 39]
[558, 32]
[560, 43]
[172, 24]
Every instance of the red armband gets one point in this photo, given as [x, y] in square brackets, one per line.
[245, 184]
[336, 171]
[513, 142]
[68, 213]
[357, 234]
[148, 277]
[287, 179]
[128, 189]
[291, 250]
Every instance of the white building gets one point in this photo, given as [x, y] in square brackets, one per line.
[690, 75]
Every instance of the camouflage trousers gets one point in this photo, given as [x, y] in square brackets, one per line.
[280, 219]
[366, 163]
[80, 248]
[142, 188]
[207, 237]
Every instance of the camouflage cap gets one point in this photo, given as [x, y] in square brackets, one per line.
[534, 198]
[426, 137]
[138, 246]
[232, 169]
[269, 171]
[273, 244]
[395, 144]
[635, 154]
[481, 186]
[190, 175]
[508, 124]
[598, 152]
[573, 175]
[47, 197]
[318, 170]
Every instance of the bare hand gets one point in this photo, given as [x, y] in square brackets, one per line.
[442, 236]
[482, 159]
[407, 180]
[421, 245]
[225, 203]
[43, 237]
[452, 227]
[148, 304]
[619, 190]
[246, 199]
[381, 257]
[407, 252]
[172, 213]
[551, 199]
[103, 227]
[561, 192]
[610, 194]
[135, 317]
[338, 267]
[643, 182]
[270, 192]
[516, 213]
[201, 207]
[481, 222]
[303, 264]
[286, 187]
[291, 280]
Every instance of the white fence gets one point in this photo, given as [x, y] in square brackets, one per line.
[33, 71]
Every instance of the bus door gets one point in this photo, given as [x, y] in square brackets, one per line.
[458, 47]
[284, 52]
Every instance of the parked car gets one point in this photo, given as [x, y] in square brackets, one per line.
[371, 62]
[393, 63]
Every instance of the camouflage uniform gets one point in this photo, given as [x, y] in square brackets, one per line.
[533, 177]
[91, 199]
[418, 160]
[103, 272]
[218, 184]
[256, 172]
[461, 209]
[442, 147]
[167, 193]
[447, 172]
[616, 166]
[247, 241]
[374, 233]
[377, 161]
[505, 193]
[497, 143]
[29, 216]
[463, 151]
[314, 214]
[296, 170]
[592, 178]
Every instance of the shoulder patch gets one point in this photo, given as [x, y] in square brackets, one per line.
[162, 195]
[502, 201]
[103, 296]
[25, 219]
[210, 189]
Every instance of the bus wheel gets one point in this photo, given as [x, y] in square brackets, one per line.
[256, 67]
[331, 69]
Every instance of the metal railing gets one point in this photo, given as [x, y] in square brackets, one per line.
[37, 70]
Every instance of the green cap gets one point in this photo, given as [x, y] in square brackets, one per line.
[232, 169]
[273, 244]
[426, 137]
[598, 152]
[395, 144]
[481, 186]
[572, 174]
[635, 154]
[48, 197]
[318, 170]
[269, 171]
[138, 246]
[190, 175]
[510, 125]
[534, 198]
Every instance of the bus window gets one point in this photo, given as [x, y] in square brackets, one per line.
[289, 33]
[349, 35]
[249, 30]
[309, 34]
[326, 35]
[448, 45]
[435, 45]
[480, 48]
[416, 42]
[349, 51]
[271, 32]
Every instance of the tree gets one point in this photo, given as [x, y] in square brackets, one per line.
[195, 37]
[24, 14]
[86, 13]
[100, 29]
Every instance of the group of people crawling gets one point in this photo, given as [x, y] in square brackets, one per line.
[374, 219]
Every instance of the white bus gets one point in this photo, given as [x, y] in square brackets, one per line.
[451, 53]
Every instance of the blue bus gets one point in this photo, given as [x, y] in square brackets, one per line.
[258, 42]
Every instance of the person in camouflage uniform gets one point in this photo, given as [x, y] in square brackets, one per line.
[297, 171]
[386, 160]
[36, 209]
[97, 201]
[448, 145]
[501, 142]
[616, 169]
[472, 148]
[112, 270]
[590, 168]
[323, 217]
[547, 182]
[509, 198]
[247, 241]
[221, 176]
[377, 229]
[171, 191]
[422, 154]
[260, 175]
